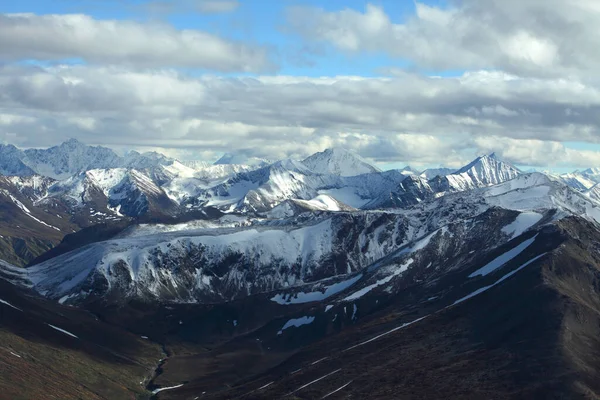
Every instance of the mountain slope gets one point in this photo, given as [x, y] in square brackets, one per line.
[54, 351]
[528, 335]
[217, 265]
[489, 292]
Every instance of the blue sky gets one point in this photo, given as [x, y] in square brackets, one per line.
[425, 83]
[260, 21]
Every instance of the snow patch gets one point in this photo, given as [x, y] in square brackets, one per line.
[503, 259]
[367, 289]
[155, 391]
[10, 305]
[483, 289]
[302, 297]
[62, 330]
[524, 221]
[297, 322]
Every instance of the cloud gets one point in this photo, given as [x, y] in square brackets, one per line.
[160, 7]
[538, 153]
[129, 43]
[216, 6]
[407, 117]
[529, 38]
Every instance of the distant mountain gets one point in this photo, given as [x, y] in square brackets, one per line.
[340, 162]
[196, 164]
[591, 172]
[116, 191]
[408, 171]
[143, 161]
[72, 157]
[593, 193]
[576, 180]
[240, 159]
[11, 162]
[433, 172]
[69, 158]
[483, 171]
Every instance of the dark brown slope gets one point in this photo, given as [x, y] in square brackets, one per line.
[40, 362]
[535, 335]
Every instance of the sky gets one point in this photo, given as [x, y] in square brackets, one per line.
[423, 83]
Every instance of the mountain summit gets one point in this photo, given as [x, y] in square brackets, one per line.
[241, 159]
[340, 162]
[483, 171]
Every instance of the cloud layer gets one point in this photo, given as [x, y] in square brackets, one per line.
[402, 118]
[528, 38]
[116, 42]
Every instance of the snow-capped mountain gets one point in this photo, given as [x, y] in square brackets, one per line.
[593, 193]
[152, 184]
[222, 263]
[114, 191]
[72, 157]
[263, 189]
[340, 162]
[591, 173]
[433, 172]
[240, 159]
[483, 171]
[195, 164]
[319, 265]
[11, 162]
[576, 180]
[68, 158]
[409, 171]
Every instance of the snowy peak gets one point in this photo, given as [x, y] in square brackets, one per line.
[196, 164]
[142, 161]
[408, 171]
[69, 158]
[591, 171]
[577, 181]
[433, 172]
[11, 162]
[340, 162]
[483, 171]
[241, 159]
[489, 163]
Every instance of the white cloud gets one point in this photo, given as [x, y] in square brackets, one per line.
[530, 38]
[408, 118]
[216, 6]
[539, 153]
[161, 7]
[59, 37]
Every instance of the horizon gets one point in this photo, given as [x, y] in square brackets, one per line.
[122, 153]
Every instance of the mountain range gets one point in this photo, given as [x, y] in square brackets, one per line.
[142, 276]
